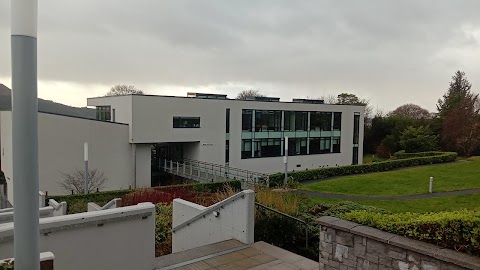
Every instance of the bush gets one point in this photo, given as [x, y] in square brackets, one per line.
[459, 230]
[321, 173]
[155, 196]
[163, 229]
[403, 155]
[77, 203]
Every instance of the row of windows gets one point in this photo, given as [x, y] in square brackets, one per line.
[293, 121]
[296, 146]
[186, 122]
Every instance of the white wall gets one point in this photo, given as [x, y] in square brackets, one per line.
[143, 165]
[61, 142]
[236, 220]
[125, 240]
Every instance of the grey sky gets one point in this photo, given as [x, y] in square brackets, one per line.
[391, 52]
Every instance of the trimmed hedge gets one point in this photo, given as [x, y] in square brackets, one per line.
[388, 165]
[403, 155]
[458, 230]
[77, 203]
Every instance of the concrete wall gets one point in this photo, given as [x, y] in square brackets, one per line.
[347, 245]
[235, 220]
[143, 165]
[152, 122]
[121, 238]
[61, 142]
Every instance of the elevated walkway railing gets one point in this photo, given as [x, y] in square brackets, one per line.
[209, 172]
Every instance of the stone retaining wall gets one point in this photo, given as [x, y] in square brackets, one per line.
[346, 245]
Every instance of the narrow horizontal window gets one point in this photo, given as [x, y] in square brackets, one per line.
[186, 122]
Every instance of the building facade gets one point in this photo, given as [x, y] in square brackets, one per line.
[244, 134]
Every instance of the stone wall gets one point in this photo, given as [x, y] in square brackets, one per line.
[346, 245]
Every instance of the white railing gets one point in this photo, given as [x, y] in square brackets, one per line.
[195, 225]
[210, 172]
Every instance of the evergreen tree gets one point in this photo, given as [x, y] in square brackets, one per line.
[458, 91]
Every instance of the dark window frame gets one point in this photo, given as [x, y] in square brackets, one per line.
[190, 122]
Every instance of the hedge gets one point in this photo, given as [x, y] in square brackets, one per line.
[458, 230]
[321, 173]
[402, 155]
[77, 203]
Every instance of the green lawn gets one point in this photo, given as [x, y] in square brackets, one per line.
[447, 177]
[448, 203]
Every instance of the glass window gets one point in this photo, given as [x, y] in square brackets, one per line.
[103, 113]
[337, 121]
[227, 121]
[246, 149]
[186, 122]
[356, 128]
[355, 156]
[336, 145]
[227, 151]
[274, 120]
[301, 121]
[326, 121]
[315, 121]
[314, 146]
[247, 120]
[297, 146]
[289, 121]
[325, 145]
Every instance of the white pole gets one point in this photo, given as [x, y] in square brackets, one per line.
[25, 133]
[285, 160]
[85, 159]
[431, 185]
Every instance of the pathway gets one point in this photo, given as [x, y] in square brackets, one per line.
[385, 198]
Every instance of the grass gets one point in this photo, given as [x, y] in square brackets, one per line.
[448, 203]
[447, 177]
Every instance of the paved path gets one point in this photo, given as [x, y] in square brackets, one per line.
[385, 198]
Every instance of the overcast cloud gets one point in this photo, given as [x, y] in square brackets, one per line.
[391, 52]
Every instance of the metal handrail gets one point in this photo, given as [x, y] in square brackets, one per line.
[287, 216]
[209, 210]
[205, 169]
[223, 166]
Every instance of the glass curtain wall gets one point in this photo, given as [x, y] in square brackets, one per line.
[265, 132]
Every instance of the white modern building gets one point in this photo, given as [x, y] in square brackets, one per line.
[134, 134]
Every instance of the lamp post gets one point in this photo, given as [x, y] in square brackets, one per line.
[25, 133]
[85, 159]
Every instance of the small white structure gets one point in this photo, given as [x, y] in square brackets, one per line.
[195, 225]
[112, 239]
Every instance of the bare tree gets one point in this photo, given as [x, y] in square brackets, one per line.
[124, 90]
[247, 94]
[412, 111]
[329, 99]
[76, 179]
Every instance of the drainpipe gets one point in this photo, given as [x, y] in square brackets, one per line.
[25, 133]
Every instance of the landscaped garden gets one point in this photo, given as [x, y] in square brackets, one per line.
[447, 177]
[450, 221]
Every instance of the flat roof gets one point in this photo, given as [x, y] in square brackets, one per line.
[226, 99]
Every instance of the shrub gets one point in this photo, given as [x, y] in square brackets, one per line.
[321, 173]
[7, 265]
[403, 155]
[163, 229]
[459, 230]
[155, 196]
[77, 203]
